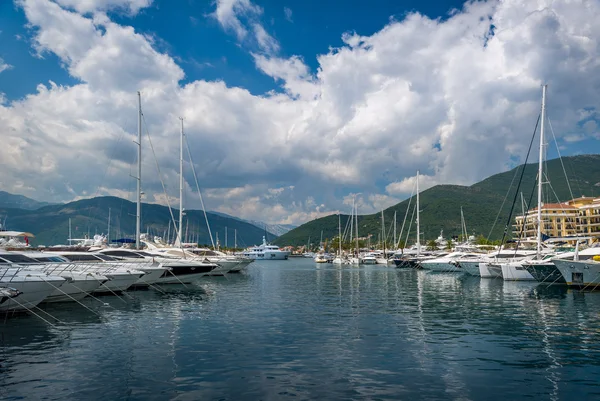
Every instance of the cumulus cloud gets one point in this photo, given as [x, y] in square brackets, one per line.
[456, 98]
[4, 66]
[90, 6]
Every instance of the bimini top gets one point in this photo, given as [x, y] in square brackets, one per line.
[16, 234]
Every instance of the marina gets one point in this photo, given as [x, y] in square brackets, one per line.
[277, 330]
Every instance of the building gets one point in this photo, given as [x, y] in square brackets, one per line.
[580, 216]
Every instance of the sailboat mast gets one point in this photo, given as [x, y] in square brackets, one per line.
[108, 229]
[418, 219]
[540, 174]
[179, 231]
[383, 232]
[70, 242]
[356, 228]
[138, 213]
[395, 223]
[340, 233]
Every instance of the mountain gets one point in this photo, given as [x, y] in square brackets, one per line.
[50, 224]
[8, 200]
[483, 203]
[277, 229]
[273, 230]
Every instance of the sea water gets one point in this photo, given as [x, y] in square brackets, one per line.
[295, 330]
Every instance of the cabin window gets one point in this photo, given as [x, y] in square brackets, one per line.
[81, 258]
[16, 258]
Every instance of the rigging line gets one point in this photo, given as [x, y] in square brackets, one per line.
[560, 158]
[526, 213]
[406, 215]
[158, 170]
[519, 184]
[409, 226]
[198, 188]
[504, 201]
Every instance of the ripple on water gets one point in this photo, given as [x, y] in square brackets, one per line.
[289, 330]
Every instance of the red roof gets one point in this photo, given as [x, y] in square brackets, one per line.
[556, 206]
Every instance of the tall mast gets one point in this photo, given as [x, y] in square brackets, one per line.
[418, 219]
[138, 213]
[179, 231]
[340, 234]
[395, 223]
[108, 229]
[226, 236]
[522, 233]
[70, 242]
[383, 232]
[235, 238]
[463, 227]
[356, 232]
[540, 174]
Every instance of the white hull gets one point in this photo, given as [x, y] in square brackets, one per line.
[382, 261]
[471, 268]
[119, 281]
[579, 273]
[488, 271]
[515, 272]
[269, 256]
[34, 291]
[184, 279]
[368, 261]
[150, 277]
[240, 266]
[222, 269]
[76, 288]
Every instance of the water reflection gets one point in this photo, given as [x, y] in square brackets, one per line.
[290, 329]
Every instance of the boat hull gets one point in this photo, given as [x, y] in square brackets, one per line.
[515, 272]
[579, 274]
[546, 273]
[75, 289]
[118, 282]
[34, 291]
[487, 270]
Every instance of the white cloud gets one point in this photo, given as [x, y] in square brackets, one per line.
[230, 12]
[442, 96]
[4, 66]
[288, 14]
[265, 41]
[91, 6]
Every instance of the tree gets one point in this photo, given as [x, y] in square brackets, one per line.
[431, 245]
[449, 245]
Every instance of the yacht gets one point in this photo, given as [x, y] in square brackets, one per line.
[545, 270]
[235, 263]
[33, 287]
[446, 263]
[176, 270]
[321, 258]
[368, 259]
[78, 284]
[120, 276]
[266, 252]
[582, 269]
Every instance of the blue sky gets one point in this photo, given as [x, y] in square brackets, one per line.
[291, 106]
[203, 49]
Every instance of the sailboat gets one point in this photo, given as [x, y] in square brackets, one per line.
[338, 260]
[515, 271]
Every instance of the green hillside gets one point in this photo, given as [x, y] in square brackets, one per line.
[481, 202]
[50, 224]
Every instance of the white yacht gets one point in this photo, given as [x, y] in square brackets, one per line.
[368, 259]
[120, 276]
[34, 287]
[266, 252]
[78, 285]
[580, 268]
[446, 263]
[176, 269]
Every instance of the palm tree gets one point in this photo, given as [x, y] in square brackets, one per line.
[431, 245]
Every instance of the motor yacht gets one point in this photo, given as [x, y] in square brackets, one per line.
[78, 284]
[266, 252]
[176, 269]
[34, 287]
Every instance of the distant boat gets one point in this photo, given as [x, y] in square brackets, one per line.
[266, 252]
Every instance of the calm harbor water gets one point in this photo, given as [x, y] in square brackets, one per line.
[291, 330]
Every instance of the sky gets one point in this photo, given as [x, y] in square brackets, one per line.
[292, 107]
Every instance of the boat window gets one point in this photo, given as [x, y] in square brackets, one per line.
[55, 259]
[142, 253]
[125, 254]
[17, 258]
[2, 261]
[81, 258]
[106, 258]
